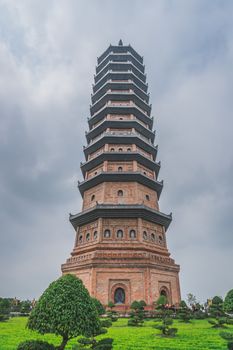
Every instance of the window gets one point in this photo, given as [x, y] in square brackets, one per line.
[120, 168]
[144, 235]
[121, 118]
[80, 239]
[119, 296]
[120, 193]
[128, 149]
[160, 239]
[147, 197]
[119, 234]
[96, 173]
[95, 235]
[120, 149]
[88, 237]
[132, 234]
[112, 149]
[107, 233]
[144, 172]
[92, 197]
[153, 237]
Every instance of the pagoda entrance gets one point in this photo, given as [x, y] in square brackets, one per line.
[119, 296]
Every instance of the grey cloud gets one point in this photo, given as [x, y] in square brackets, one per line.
[48, 54]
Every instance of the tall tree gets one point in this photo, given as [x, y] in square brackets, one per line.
[66, 309]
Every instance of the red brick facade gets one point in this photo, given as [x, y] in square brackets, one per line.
[120, 249]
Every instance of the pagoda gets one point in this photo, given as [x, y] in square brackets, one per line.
[120, 249]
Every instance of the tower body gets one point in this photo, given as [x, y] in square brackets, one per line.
[120, 249]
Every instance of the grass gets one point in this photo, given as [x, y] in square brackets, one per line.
[198, 335]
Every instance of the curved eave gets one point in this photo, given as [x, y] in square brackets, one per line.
[119, 49]
[121, 177]
[120, 124]
[120, 139]
[114, 96]
[122, 57]
[120, 110]
[120, 211]
[119, 76]
[121, 157]
[125, 85]
[119, 67]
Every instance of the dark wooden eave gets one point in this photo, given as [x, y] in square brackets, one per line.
[120, 211]
[120, 124]
[121, 177]
[120, 156]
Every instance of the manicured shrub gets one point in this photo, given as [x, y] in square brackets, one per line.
[5, 307]
[35, 345]
[99, 307]
[112, 314]
[87, 343]
[229, 338]
[66, 309]
[106, 323]
[228, 302]
[137, 314]
[219, 319]
[184, 312]
[165, 316]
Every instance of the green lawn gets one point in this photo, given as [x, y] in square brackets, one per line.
[194, 336]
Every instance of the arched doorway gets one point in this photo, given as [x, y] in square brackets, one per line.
[165, 292]
[119, 296]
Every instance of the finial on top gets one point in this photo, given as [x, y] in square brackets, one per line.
[120, 43]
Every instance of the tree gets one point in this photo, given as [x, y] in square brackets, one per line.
[217, 314]
[137, 313]
[66, 309]
[25, 306]
[184, 312]
[228, 302]
[166, 320]
[5, 307]
[112, 314]
[229, 338]
[192, 300]
[99, 307]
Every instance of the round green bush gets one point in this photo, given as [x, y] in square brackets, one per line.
[35, 345]
[228, 302]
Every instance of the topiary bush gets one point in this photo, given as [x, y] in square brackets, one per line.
[35, 345]
[228, 302]
[229, 338]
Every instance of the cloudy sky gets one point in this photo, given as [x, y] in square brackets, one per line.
[48, 52]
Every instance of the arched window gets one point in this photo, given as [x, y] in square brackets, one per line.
[88, 237]
[120, 168]
[128, 149]
[160, 239]
[119, 296]
[120, 193]
[95, 235]
[145, 235]
[120, 149]
[107, 233]
[132, 234]
[120, 118]
[96, 172]
[147, 197]
[119, 234]
[163, 292]
[112, 149]
[80, 239]
[92, 197]
[153, 237]
[144, 172]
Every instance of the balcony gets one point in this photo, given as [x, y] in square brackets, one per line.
[123, 96]
[120, 77]
[119, 50]
[120, 67]
[120, 57]
[134, 176]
